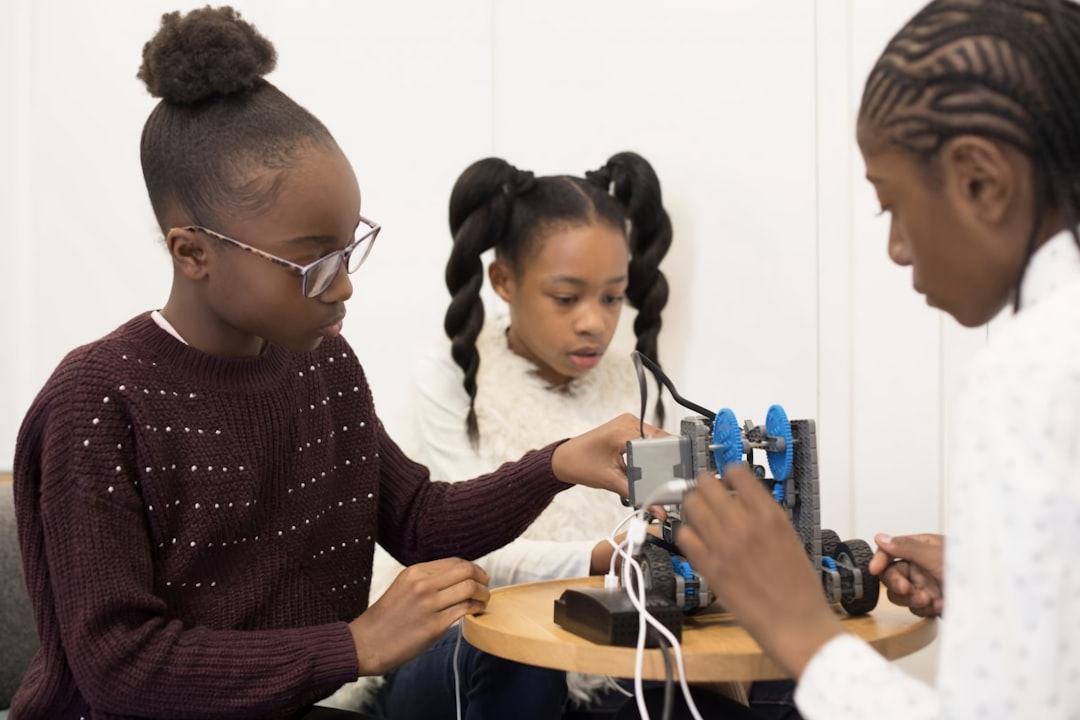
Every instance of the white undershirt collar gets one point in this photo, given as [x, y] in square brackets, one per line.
[166, 325]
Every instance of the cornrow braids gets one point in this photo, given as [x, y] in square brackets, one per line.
[496, 206]
[218, 117]
[480, 207]
[1006, 70]
[630, 179]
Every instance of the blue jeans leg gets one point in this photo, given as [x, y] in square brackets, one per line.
[491, 688]
[774, 699]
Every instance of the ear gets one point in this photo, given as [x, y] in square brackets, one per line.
[980, 177]
[502, 279]
[189, 252]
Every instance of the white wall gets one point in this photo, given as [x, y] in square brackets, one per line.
[781, 288]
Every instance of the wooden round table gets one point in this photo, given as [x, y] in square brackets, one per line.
[519, 625]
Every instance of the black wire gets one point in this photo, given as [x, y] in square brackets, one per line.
[640, 359]
[643, 387]
[669, 681]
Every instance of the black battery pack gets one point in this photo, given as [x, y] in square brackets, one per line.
[606, 616]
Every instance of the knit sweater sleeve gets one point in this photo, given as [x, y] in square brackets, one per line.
[89, 564]
[422, 520]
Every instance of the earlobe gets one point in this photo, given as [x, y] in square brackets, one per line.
[979, 173]
[188, 251]
[502, 280]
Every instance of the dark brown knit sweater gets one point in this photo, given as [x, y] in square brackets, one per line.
[197, 531]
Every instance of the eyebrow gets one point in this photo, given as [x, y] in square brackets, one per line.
[578, 281]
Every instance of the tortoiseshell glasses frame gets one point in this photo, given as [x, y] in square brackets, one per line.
[315, 277]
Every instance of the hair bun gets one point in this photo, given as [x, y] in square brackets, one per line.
[207, 52]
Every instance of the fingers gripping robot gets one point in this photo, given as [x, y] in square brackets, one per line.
[662, 469]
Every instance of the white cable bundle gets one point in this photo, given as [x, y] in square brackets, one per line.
[635, 537]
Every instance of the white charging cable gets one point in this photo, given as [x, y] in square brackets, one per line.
[457, 674]
[635, 538]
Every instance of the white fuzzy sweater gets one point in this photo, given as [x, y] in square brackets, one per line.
[516, 412]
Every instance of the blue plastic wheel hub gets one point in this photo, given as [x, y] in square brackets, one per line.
[727, 439]
[778, 426]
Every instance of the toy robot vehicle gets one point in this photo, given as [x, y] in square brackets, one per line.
[661, 469]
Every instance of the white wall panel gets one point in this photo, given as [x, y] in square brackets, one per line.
[836, 165]
[17, 315]
[719, 97]
[897, 344]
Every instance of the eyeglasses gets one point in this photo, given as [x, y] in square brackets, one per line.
[316, 277]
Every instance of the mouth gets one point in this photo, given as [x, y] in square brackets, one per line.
[333, 328]
[926, 298]
[586, 358]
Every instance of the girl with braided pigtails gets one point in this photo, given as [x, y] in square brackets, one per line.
[970, 132]
[568, 252]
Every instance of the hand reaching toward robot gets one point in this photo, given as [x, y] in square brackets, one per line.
[595, 458]
[763, 553]
[911, 568]
[741, 541]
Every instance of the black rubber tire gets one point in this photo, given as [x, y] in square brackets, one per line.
[858, 553]
[657, 570]
[829, 541]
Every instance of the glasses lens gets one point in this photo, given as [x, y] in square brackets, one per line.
[322, 274]
[360, 252]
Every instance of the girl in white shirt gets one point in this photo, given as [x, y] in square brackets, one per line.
[970, 131]
[568, 253]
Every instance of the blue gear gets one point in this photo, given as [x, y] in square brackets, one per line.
[727, 435]
[778, 492]
[683, 568]
[828, 562]
[777, 425]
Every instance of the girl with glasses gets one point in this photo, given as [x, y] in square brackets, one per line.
[200, 492]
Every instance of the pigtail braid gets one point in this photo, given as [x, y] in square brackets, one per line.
[480, 206]
[633, 182]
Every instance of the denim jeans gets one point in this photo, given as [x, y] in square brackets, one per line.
[771, 700]
[491, 688]
[774, 699]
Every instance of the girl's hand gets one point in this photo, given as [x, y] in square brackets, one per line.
[423, 602]
[912, 568]
[596, 459]
[743, 544]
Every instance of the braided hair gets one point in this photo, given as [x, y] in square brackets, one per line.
[495, 205]
[1006, 70]
[218, 119]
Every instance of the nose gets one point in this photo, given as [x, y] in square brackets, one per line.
[591, 320]
[899, 250]
[340, 289]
